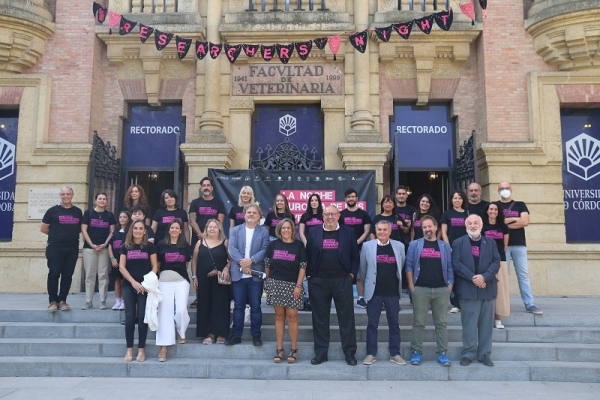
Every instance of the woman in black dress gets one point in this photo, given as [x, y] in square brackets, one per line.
[285, 266]
[138, 257]
[281, 210]
[211, 254]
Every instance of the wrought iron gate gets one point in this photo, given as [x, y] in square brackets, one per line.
[105, 172]
[464, 169]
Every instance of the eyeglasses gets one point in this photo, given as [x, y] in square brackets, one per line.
[329, 215]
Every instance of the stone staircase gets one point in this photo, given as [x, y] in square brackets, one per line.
[557, 346]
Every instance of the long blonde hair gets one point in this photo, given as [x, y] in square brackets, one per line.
[129, 243]
[249, 190]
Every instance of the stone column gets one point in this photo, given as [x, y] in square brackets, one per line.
[240, 122]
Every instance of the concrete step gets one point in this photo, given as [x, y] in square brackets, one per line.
[195, 350]
[116, 331]
[332, 370]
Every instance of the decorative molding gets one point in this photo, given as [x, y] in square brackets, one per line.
[332, 103]
[241, 103]
[22, 39]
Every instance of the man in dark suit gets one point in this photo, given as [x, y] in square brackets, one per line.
[476, 261]
[333, 260]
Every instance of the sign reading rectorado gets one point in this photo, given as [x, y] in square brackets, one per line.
[281, 80]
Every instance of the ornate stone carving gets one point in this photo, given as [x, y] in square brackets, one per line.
[333, 102]
[131, 69]
[241, 103]
[401, 70]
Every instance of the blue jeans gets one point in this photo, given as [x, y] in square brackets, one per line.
[392, 308]
[247, 291]
[518, 254]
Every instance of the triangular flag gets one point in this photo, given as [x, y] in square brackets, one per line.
[444, 19]
[145, 32]
[100, 12]
[113, 20]
[201, 49]
[384, 34]
[162, 39]
[334, 45]
[425, 24]
[284, 52]
[250, 49]
[403, 29]
[320, 43]
[359, 41]
[483, 4]
[183, 46]
[214, 49]
[232, 52]
[468, 9]
[267, 52]
[126, 26]
[303, 49]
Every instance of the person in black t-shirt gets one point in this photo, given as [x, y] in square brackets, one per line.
[62, 224]
[388, 214]
[405, 214]
[138, 214]
[168, 212]
[97, 227]
[281, 210]
[476, 205]
[204, 208]
[136, 196]
[313, 216]
[114, 251]
[236, 214]
[426, 206]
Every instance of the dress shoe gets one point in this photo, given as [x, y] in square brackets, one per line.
[256, 341]
[63, 306]
[233, 340]
[318, 359]
[350, 358]
[465, 361]
[485, 360]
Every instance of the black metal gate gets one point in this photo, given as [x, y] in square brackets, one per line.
[105, 172]
[464, 169]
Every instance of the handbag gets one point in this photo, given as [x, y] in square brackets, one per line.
[220, 277]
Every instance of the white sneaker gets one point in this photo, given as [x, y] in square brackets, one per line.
[121, 305]
[116, 306]
[498, 324]
[454, 310]
[247, 316]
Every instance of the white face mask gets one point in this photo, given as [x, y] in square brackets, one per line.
[505, 194]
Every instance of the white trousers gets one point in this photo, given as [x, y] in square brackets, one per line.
[172, 312]
[96, 263]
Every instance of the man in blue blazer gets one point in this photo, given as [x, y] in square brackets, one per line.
[333, 260]
[381, 262]
[430, 279]
[247, 245]
[476, 262]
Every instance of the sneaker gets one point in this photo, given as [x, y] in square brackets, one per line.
[361, 303]
[398, 359]
[52, 306]
[121, 305]
[498, 324]
[63, 306]
[534, 310]
[416, 358]
[117, 304]
[103, 305]
[369, 360]
[87, 306]
[444, 360]
[454, 310]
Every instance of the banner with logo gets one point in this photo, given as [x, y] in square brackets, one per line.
[424, 137]
[297, 187]
[150, 136]
[581, 175]
[9, 122]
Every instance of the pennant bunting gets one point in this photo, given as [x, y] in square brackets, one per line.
[403, 29]
[384, 34]
[303, 49]
[201, 49]
[334, 45]
[468, 9]
[114, 19]
[183, 46]
[444, 19]
[320, 43]
[284, 52]
[214, 49]
[425, 24]
[232, 52]
[145, 32]
[250, 49]
[267, 52]
[126, 26]
[359, 41]
[483, 4]
[162, 39]
[100, 12]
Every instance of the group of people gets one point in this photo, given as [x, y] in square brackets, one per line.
[465, 262]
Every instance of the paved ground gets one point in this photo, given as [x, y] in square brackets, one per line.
[196, 389]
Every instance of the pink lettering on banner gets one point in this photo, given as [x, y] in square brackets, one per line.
[98, 223]
[314, 222]
[174, 257]
[431, 253]
[117, 244]
[137, 255]
[358, 41]
[475, 251]
[353, 221]
[168, 219]
[457, 221]
[494, 235]
[68, 220]
[444, 18]
[425, 25]
[330, 244]
[303, 49]
[511, 214]
[385, 259]
[417, 223]
[181, 47]
[284, 52]
[207, 211]
[162, 39]
[283, 255]
[250, 51]
[326, 195]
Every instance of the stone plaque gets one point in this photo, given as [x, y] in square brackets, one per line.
[40, 200]
[285, 80]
